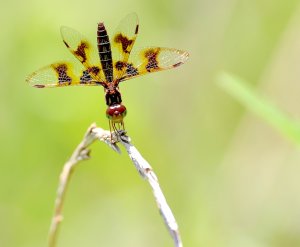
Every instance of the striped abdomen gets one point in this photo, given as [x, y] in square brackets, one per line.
[105, 52]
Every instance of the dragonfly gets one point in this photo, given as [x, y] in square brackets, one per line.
[107, 63]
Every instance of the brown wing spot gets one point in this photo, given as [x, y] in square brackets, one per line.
[131, 71]
[80, 52]
[94, 70]
[120, 65]
[151, 56]
[177, 64]
[85, 78]
[66, 44]
[39, 86]
[119, 38]
[61, 71]
[136, 29]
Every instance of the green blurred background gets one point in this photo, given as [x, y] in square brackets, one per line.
[230, 178]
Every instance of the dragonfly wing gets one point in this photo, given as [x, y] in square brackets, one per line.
[84, 51]
[61, 74]
[122, 42]
[153, 59]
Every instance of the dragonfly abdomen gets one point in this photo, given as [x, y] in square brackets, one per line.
[104, 51]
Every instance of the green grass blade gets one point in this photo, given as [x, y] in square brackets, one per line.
[259, 105]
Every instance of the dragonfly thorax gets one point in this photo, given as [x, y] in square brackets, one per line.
[113, 97]
[115, 111]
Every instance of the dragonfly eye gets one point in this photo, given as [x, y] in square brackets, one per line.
[116, 113]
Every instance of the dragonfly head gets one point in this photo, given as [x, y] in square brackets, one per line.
[116, 113]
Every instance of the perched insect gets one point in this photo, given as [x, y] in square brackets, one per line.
[108, 65]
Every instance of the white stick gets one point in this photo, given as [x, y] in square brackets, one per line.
[145, 170]
[143, 167]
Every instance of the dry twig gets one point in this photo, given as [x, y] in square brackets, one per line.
[145, 170]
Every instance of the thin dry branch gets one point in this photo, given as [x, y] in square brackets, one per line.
[145, 170]
[80, 153]
[147, 173]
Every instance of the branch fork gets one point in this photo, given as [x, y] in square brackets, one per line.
[82, 152]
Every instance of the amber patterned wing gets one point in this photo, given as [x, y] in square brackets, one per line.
[153, 59]
[84, 51]
[122, 42]
[61, 74]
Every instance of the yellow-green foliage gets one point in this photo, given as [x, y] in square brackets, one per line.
[230, 179]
